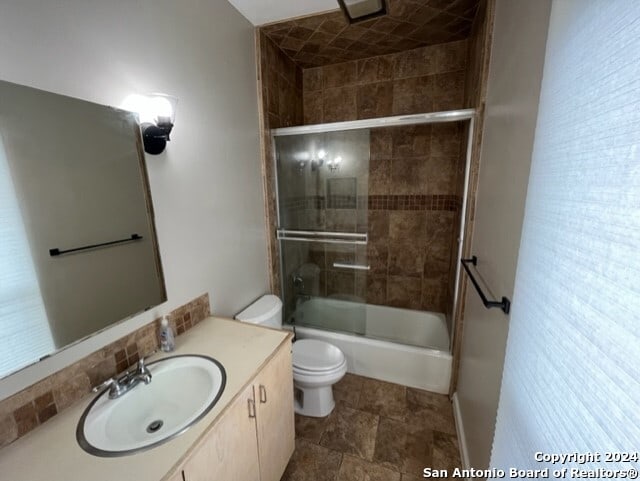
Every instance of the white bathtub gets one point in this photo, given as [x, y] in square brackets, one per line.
[387, 343]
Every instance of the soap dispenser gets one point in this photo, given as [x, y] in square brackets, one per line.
[167, 338]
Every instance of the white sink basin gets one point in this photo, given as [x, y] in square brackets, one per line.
[183, 389]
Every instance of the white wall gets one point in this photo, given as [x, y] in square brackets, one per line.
[206, 187]
[515, 74]
[571, 375]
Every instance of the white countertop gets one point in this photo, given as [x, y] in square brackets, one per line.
[51, 453]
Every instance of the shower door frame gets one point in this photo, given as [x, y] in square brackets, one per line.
[459, 115]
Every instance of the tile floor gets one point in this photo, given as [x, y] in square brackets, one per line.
[378, 432]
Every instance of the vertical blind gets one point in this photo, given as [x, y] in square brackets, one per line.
[571, 380]
[21, 305]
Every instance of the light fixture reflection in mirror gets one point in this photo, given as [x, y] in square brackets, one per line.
[156, 114]
[320, 158]
[317, 162]
[334, 164]
[360, 10]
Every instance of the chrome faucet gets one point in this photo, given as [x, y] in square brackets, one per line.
[141, 373]
[126, 382]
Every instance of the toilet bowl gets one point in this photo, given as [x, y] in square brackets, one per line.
[317, 365]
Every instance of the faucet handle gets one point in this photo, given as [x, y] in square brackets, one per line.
[142, 365]
[109, 382]
[143, 370]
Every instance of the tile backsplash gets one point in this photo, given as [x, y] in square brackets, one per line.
[27, 409]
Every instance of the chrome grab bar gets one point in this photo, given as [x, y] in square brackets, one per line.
[322, 236]
[357, 267]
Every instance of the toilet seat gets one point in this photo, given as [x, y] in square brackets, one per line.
[315, 380]
[312, 356]
[329, 372]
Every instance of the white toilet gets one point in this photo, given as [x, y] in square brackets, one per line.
[317, 365]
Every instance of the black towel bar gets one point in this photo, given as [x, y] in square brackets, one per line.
[57, 252]
[504, 304]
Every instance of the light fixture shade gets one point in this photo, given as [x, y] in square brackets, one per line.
[156, 114]
[360, 10]
[152, 107]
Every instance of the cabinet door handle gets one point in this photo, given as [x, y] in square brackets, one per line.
[263, 394]
[184, 478]
[252, 408]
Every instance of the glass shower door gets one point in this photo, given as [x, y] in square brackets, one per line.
[322, 188]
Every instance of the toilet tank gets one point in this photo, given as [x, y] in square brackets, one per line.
[266, 311]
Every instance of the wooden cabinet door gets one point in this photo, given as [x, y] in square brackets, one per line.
[274, 401]
[230, 452]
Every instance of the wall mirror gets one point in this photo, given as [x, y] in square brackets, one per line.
[78, 248]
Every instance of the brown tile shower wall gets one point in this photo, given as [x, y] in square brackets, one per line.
[410, 242]
[280, 97]
[415, 173]
[426, 79]
[26, 410]
[281, 86]
[279, 93]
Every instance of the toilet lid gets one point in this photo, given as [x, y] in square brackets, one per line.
[312, 355]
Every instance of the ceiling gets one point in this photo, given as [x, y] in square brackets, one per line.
[328, 38]
[259, 12]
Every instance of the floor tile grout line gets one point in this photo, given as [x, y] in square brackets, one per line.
[339, 466]
[374, 451]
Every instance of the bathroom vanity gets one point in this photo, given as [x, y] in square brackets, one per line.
[247, 436]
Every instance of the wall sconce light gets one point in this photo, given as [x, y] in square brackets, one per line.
[317, 162]
[156, 114]
[360, 10]
[334, 164]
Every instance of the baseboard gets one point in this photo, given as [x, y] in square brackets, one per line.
[462, 440]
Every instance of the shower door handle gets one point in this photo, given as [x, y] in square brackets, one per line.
[357, 267]
[328, 237]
